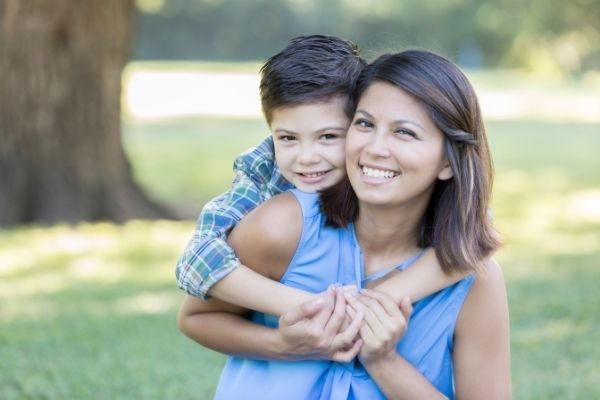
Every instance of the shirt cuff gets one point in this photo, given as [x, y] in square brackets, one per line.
[198, 286]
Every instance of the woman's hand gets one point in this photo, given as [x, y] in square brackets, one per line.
[321, 329]
[384, 323]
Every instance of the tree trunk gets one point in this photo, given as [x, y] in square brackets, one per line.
[61, 155]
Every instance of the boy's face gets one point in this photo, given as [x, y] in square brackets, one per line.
[309, 143]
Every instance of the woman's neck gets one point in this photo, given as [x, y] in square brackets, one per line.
[387, 236]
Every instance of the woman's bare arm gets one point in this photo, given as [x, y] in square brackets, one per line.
[482, 340]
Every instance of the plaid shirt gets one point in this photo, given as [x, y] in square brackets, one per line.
[207, 257]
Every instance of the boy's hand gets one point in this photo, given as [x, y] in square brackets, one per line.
[316, 330]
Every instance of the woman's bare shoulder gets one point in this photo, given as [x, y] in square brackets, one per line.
[267, 238]
[487, 302]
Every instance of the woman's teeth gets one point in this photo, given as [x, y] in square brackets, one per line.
[378, 173]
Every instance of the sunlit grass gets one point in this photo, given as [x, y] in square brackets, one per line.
[89, 312]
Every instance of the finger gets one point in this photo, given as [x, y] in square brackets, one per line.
[304, 311]
[345, 338]
[406, 307]
[348, 355]
[386, 301]
[350, 311]
[392, 322]
[373, 312]
[337, 317]
[349, 288]
[322, 316]
[375, 315]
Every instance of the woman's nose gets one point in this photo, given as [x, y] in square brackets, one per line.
[378, 145]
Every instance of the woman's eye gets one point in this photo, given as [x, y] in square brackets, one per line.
[406, 132]
[286, 138]
[363, 123]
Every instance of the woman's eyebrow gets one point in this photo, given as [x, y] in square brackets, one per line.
[406, 121]
[398, 121]
[365, 113]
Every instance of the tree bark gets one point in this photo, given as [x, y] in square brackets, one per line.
[61, 154]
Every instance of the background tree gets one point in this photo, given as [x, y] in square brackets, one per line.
[61, 155]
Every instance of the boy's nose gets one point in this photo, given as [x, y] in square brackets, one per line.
[308, 155]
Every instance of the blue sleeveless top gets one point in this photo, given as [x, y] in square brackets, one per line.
[327, 255]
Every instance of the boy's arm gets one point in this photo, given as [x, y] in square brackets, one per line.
[423, 278]
[250, 289]
[270, 248]
[313, 332]
[316, 334]
[246, 287]
[208, 258]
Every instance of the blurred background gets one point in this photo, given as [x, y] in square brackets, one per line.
[119, 119]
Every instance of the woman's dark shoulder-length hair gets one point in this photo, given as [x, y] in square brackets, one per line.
[456, 223]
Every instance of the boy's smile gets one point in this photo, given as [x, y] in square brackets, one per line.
[309, 143]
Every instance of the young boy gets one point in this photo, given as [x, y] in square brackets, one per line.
[304, 88]
[306, 98]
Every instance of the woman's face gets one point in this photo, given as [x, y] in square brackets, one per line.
[394, 152]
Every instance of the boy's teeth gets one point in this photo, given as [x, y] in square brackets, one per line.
[314, 175]
[378, 173]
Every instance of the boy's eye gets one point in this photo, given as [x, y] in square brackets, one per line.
[286, 138]
[363, 123]
[330, 136]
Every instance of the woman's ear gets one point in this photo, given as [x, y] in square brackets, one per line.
[446, 172]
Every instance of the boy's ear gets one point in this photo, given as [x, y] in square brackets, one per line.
[446, 172]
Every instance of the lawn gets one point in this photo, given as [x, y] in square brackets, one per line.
[89, 311]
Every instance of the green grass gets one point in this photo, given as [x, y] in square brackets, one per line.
[89, 311]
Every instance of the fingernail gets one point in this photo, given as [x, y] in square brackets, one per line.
[350, 288]
[350, 295]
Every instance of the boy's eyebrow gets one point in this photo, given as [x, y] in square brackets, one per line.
[332, 128]
[399, 121]
[281, 130]
[327, 128]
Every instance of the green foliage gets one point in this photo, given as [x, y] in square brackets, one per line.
[548, 35]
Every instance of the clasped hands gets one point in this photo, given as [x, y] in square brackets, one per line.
[343, 323]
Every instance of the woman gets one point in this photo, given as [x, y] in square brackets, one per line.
[419, 176]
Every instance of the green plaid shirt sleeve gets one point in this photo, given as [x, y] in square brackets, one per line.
[208, 258]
